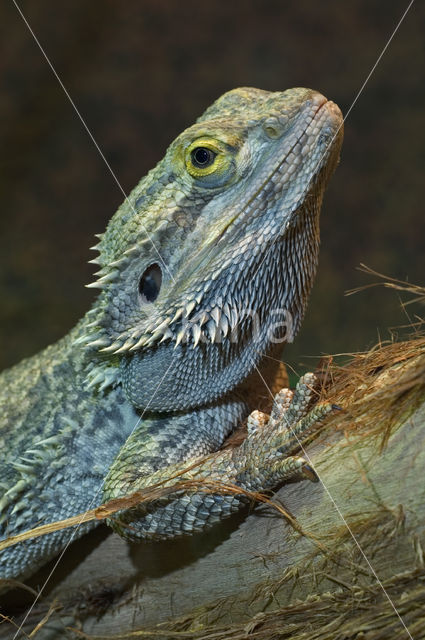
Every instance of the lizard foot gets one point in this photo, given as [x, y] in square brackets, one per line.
[268, 457]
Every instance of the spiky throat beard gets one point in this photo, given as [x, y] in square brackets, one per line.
[210, 342]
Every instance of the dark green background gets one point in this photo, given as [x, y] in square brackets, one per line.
[142, 71]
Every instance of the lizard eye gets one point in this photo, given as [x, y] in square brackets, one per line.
[150, 283]
[202, 157]
[211, 162]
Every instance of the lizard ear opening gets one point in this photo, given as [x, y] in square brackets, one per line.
[150, 283]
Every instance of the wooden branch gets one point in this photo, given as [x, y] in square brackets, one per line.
[355, 559]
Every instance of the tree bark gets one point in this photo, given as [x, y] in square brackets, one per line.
[351, 568]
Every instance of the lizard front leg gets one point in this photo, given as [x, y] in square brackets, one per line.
[265, 459]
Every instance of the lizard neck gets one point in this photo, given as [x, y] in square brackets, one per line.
[269, 305]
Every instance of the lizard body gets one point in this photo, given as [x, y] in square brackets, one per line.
[204, 268]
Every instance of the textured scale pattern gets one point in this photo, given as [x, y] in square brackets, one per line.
[146, 385]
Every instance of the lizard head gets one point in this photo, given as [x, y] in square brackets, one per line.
[211, 258]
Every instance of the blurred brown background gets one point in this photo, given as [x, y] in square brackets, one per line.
[140, 72]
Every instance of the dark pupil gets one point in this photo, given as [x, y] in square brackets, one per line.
[150, 283]
[202, 157]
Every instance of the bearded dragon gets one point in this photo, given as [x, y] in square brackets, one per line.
[204, 269]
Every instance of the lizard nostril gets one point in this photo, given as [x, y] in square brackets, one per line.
[150, 283]
[272, 132]
[274, 127]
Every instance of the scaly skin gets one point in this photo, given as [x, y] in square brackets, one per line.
[222, 234]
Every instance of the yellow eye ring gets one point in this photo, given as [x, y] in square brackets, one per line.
[203, 157]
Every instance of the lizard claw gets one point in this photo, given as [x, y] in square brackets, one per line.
[269, 452]
[310, 473]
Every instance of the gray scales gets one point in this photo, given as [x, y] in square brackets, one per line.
[214, 245]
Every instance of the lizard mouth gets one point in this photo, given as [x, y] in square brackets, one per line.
[323, 115]
[290, 162]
